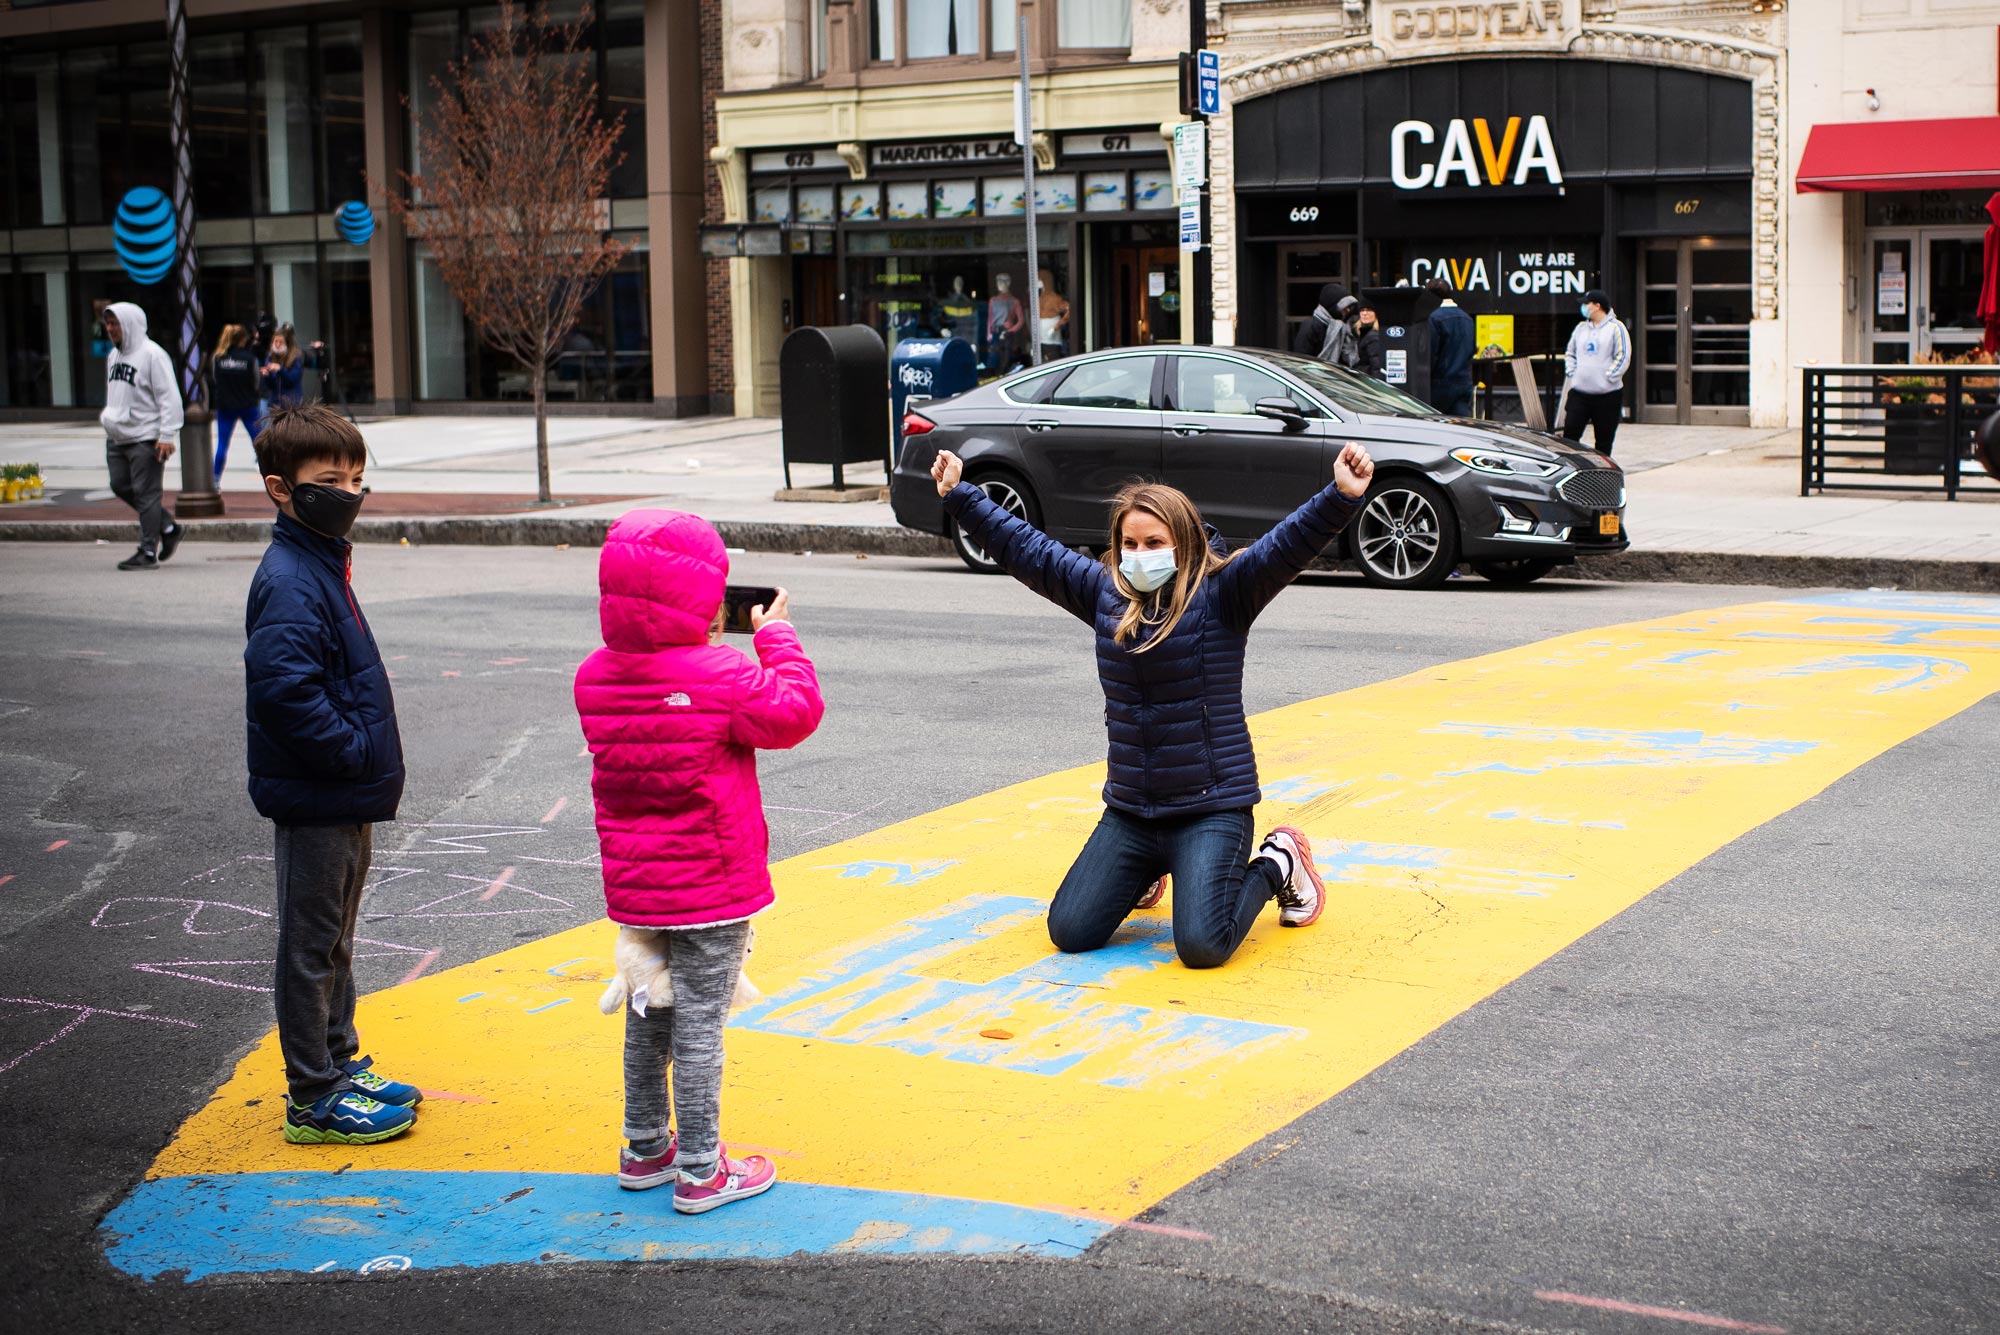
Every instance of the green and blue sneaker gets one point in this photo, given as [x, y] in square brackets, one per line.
[381, 1088]
[345, 1117]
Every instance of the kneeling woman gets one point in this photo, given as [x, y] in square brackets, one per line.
[1172, 613]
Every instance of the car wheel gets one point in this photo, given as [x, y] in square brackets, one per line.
[1406, 536]
[1010, 494]
[1526, 570]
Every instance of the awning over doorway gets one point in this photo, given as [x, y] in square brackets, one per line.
[1960, 154]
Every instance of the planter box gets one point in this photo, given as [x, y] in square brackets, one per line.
[1914, 438]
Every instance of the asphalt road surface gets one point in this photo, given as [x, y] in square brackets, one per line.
[1764, 1097]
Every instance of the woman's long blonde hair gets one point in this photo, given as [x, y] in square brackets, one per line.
[1194, 561]
[232, 334]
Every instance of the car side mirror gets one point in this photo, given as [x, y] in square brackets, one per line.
[1281, 410]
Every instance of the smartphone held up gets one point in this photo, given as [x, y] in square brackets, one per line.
[739, 600]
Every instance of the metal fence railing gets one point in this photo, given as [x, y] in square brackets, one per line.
[1896, 428]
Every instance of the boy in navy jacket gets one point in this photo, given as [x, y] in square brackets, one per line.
[326, 763]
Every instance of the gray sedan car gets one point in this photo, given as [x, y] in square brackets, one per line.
[1249, 435]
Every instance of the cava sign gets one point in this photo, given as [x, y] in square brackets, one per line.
[1512, 153]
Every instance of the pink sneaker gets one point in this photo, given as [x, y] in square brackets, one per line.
[1302, 897]
[1154, 894]
[637, 1174]
[734, 1180]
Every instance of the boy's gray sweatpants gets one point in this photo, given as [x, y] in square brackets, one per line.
[321, 872]
[704, 962]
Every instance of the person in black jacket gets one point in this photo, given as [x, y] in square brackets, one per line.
[1371, 348]
[326, 764]
[233, 375]
[1327, 336]
[1172, 611]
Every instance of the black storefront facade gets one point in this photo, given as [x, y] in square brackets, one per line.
[1523, 182]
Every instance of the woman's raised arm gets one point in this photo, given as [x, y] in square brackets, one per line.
[1260, 573]
[1069, 581]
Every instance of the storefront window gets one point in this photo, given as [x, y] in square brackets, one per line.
[607, 357]
[282, 106]
[34, 338]
[342, 116]
[623, 91]
[969, 283]
[1090, 25]
[35, 163]
[149, 136]
[221, 138]
[93, 131]
[350, 330]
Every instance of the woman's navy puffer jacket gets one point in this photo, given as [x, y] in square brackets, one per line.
[1180, 743]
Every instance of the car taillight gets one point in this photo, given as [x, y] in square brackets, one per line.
[916, 424]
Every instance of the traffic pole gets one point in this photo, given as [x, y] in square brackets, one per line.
[1200, 302]
[1025, 116]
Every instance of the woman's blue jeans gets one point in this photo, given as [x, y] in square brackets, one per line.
[1217, 892]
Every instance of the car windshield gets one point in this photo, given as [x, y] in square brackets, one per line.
[1349, 391]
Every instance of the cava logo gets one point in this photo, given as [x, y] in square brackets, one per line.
[1519, 151]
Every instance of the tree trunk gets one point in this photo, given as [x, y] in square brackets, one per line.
[542, 430]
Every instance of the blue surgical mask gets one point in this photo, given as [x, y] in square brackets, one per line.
[1584, 310]
[1146, 571]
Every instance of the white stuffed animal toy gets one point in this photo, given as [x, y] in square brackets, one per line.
[640, 977]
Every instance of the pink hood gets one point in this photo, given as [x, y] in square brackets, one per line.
[659, 580]
[674, 724]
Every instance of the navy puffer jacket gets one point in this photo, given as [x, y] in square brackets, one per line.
[324, 749]
[1180, 743]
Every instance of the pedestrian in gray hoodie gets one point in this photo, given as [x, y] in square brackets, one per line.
[1599, 353]
[141, 419]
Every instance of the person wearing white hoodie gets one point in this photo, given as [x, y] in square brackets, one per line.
[141, 419]
[1599, 353]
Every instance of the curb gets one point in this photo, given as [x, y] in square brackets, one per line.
[524, 531]
[882, 540]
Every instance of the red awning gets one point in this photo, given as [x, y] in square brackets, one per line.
[1961, 154]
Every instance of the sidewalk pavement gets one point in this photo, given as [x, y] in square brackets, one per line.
[1709, 504]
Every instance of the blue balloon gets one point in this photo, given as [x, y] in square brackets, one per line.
[354, 222]
[145, 235]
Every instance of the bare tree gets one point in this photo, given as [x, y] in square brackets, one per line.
[514, 164]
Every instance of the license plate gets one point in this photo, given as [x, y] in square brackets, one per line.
[1608, 525]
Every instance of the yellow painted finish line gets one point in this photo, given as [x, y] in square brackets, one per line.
[1473, 820]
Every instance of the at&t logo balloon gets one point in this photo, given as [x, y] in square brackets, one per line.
[143, 234]
[354, 222]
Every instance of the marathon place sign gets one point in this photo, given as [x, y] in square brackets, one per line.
[951, 153]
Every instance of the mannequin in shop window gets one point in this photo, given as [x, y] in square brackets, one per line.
[1053, 325]
[1005, 346]
[956, 309]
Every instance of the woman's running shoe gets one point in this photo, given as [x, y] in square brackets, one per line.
[734, 1180]
[345, 1117]
[1302, 895]
[638, 1172]
[1154, 894]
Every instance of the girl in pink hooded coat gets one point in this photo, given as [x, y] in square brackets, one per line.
[674, 719]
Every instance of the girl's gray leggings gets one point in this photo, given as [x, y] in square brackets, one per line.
[704, 962]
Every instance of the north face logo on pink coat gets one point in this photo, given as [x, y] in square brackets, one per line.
[674, 724]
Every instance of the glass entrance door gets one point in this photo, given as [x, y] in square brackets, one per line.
[1923, 289]
[1693, 340]
[1302, 272]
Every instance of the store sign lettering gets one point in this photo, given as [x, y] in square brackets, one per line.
[1512, 160]
[924, 155]
[1533, 273]
[1510, 18]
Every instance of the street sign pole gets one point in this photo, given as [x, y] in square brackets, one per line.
[1200, 302]
[1024, 130]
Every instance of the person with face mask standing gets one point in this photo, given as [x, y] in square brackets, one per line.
[141, 420]
[326, 764]
[1172, 610]
[1599, 352]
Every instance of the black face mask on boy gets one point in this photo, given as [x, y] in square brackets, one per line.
[325, 510]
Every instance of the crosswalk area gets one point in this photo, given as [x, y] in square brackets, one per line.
[930, 1077]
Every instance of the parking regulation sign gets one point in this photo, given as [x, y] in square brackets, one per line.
[1208, 82]
[1190, 220]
